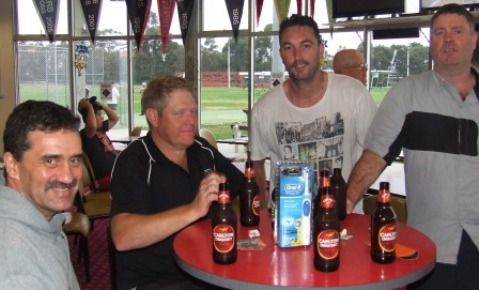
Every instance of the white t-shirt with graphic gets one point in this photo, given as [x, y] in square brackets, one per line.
[329, 134]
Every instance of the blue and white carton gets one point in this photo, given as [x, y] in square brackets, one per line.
[293, 222]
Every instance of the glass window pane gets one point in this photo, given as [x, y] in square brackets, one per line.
[395, 59]
[224, 92]
[216, 17]
[43, 72]
[29, 21]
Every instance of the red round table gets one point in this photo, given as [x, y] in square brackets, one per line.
[292, 268]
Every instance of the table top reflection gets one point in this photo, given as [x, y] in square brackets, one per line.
[293, 268]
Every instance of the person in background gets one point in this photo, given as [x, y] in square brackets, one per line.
[42, 157]
[160, 184]
[142, 90]
[350, 62]
[434, 118]
[95, 142]
[112, 102]
[321, 116]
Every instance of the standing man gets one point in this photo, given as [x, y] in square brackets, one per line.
[161, 183]
[112, 102]
[350, 62]
[42, 156]
[95, 142]
[434, 118]
[324, 117]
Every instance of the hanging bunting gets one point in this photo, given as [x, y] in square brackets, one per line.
[259, 7]
[91, 10]
[299, 6]
[235, 11]
[282, 9]
[185, 8]
[165, 10]
[311, 4]
[48, 11]
[138, 13]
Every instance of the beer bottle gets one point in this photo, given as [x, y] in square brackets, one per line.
[324, 181]
[224, 228]
[250, 200]
[383, 228]
[326, 234]
[338, 189]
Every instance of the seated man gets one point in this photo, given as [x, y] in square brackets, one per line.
[160, 184]
[95, 141]
[350, 62]
[42, 157]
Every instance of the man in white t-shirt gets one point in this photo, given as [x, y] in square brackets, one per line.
[323, 117]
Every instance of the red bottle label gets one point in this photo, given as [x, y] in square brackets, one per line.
[327, 201]
[223, 238]
[324, 181]
[387, 237]
[327, 244]
[256, 205]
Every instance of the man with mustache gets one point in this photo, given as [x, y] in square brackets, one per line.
[42, 156]
[322, 116]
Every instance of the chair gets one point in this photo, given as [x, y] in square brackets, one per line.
[89, 180]
[209, 136]
[111, 258]
[398, 204]
[78, 224]
[136, 132]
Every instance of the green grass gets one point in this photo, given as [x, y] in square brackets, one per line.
[220, 107]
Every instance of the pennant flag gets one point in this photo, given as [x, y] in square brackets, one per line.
[299, 6]
[138, 13]
[282, 9]
[259, 7]
[311, 4]
[185, 8]
[165, 10]
[235, 11]
[91, 10]
[48, 10]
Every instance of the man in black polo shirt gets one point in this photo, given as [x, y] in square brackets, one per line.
[160, 184]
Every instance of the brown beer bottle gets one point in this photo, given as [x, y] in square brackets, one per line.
[326, 234]
[383, 228]
[338, 189]
[250, 200]
[224, 228]
[324, 181]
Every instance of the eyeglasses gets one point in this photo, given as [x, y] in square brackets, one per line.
[361, 66]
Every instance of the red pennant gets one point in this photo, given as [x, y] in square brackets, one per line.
[299, 6]
[185, 8]
[91, 10]
[48, 10]
[311, 4]
[259, 7]
[165, 10]
[138, 13]
[235, 11]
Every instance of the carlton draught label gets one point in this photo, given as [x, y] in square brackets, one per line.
[223, 238]
[327, 244]
[387, 237]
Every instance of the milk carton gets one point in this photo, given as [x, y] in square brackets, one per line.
[294, 211]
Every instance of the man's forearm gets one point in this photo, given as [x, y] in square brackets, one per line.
[260, 176]
[364, 173]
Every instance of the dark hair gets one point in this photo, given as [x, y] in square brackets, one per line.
[31, 116]
[96, 107]
[453, 9]
[300, 20]
[157, 90]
